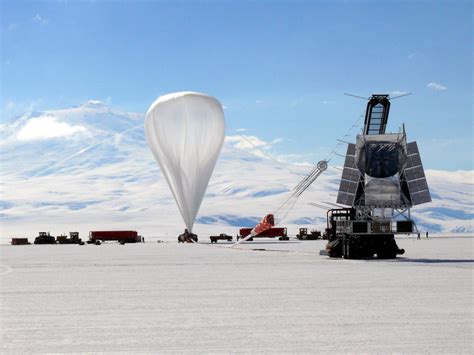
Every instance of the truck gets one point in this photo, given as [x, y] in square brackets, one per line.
[96, 237]
[222, 236]
[269, 233]
[44, 238]
[353, 239]
[72, 239]
[304, 235]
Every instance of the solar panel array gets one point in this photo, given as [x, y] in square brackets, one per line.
[350, 178]
[415, 176]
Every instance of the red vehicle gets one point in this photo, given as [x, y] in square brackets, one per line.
[269, 233]
[96, 237]
[20, 241]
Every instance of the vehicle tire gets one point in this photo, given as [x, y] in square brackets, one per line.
[345, 249]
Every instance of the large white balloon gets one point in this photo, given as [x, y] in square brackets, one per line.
[185, 132]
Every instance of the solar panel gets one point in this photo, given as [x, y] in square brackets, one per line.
[421, 197]
[415, 176]
[414, 173]
[349, 179]
[345, 199]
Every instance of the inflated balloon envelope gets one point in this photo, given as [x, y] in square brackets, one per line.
[185, 132]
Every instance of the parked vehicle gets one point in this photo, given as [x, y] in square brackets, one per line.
[269, 233]
[44, 238]
[304, 235]
[96, 237]
[72, 239]
[20, 241]
[222, 236]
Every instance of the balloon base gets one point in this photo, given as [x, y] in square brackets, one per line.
[187, 237]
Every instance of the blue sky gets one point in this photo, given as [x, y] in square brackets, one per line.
[279, 67]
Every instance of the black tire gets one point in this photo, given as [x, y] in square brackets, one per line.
[345, 248]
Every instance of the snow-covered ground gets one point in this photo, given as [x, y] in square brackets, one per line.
[264, 297]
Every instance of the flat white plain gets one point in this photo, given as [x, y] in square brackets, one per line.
[281, 298]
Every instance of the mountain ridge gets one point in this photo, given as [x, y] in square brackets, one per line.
[89, 167]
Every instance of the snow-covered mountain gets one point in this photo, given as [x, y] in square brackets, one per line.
[88, 167]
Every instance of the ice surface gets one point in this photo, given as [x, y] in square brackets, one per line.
[285, 297]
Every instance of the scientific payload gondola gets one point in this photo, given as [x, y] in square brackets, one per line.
[382, 179]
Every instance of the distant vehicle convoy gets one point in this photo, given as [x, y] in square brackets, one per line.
[129, 236]
[95, 237]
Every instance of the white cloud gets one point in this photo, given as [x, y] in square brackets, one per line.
[254, 145]
[276, 141]
[251, 142]
[296, 159]
[436, 87]
[40, 20]
[45, 127]
[247, 142]
[94, 102]
[398, 93]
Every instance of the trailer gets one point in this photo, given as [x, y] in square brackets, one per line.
[281, 233]
[20, 241]
[97, 237]
[222, 236]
